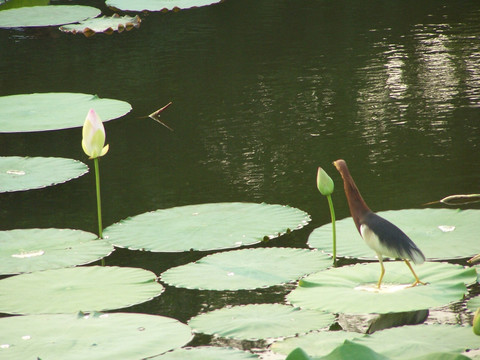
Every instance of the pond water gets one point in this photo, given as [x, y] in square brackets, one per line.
[263, 93]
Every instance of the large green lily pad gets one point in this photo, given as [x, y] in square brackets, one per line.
[11, 4]
[28, 250]
[205, 227]
[474, 303]
[25, 173]
[437, 232]
[94, 336]
[206, 353]
[90, 288]
[49, 15]
[157, 5]
[414, 341]
[246, 269]
[260, 321]
[352, 289]
[406, 342]
[104, 24]
[54, 111]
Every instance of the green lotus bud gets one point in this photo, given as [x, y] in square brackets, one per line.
[324, 182]
[93, 136]
[476, 322]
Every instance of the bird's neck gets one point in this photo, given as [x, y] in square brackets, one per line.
[358, 207]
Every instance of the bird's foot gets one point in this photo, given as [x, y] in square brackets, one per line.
[418, 282]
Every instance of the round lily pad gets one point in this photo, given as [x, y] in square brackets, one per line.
[314, 343]
[474, 303]
[54, 111]
[246, 269]
[206, 353]
[352, 289]
[105, 24]
[28, 250]
[406, 342]
[260, 321]
[90, 288]
[413, 341]
[94, 336]
[437, 232]
[157, 5]
[205, 227]
[49, 15]
[25, 173]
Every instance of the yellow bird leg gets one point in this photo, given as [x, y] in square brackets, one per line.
[380, 259]
[417, 280]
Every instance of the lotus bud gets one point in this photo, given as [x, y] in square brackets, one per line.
[476, 322]
[324, 182]
[93, 136]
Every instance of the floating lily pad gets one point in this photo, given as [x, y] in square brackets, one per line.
[350, 350]
[50, 15]
[157, 5]
[105, 24]
[95, 336]
[260, 321]
[352, 289]
[91, 288]
[206, 353]
[25, 173]
[246, 269]
[406, 342]
[205, 227]
[54, 111]
[474, 303]
[28, 250]
[419, 340]
[11, 4]
[314, 343]
[437, 232]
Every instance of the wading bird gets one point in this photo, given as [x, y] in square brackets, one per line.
[379, 234]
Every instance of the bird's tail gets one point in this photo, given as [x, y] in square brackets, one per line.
[417, 256]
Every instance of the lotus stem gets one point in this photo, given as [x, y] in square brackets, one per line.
[334, 233]
[99, 202]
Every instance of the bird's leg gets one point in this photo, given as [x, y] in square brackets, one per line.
[382, 272]
[417, 280]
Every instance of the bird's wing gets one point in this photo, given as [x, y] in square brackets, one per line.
[393, 239]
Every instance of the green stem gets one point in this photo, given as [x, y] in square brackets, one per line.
[332, 214]
[99, 202]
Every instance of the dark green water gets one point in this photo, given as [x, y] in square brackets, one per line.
[263, 93]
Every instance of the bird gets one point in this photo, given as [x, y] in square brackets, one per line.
[383, 237]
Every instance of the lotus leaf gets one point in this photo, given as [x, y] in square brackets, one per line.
[260, 321]
[28, 250]
[314, 343]
[246, 269]
[53, 111]
[421, 340]
[350, 350]
[11, 4]
[104, 24]
[90, 288]
[435, 231]
[206, 353]
[406, 342]
[157, 5]
[25, 173]
[94, 336]
[352, 289]
[474, 303]
[50, 15]
[205, 227]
